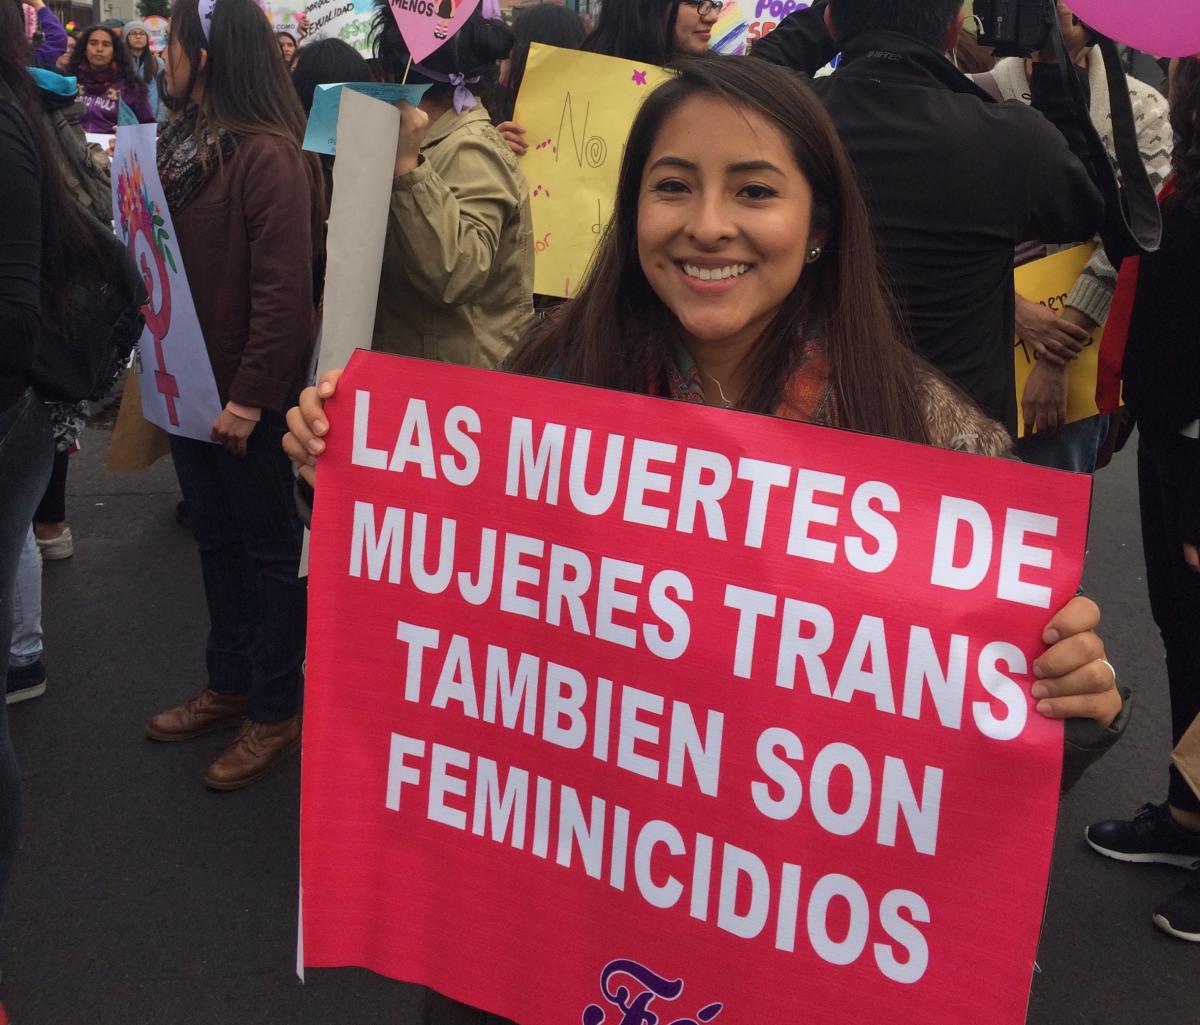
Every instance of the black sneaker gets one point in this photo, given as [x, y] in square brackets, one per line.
[25, 682]
[1180, 915]
[1152, 835]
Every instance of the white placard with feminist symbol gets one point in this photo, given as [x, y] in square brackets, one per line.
[178, 390]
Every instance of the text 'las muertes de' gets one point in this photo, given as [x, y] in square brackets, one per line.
[629, 692]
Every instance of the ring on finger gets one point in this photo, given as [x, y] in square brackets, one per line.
[1111, 669]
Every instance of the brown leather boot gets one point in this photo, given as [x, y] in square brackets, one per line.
[258, 749]
[206, 712]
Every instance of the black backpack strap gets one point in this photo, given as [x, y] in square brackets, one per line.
[1132, 221]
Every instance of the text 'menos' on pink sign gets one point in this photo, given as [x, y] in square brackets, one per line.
[427, 24]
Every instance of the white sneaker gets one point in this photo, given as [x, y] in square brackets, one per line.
[54, 548]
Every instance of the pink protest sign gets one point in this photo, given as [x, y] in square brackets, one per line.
[427, 24]
[1164, 28]
[621, 710]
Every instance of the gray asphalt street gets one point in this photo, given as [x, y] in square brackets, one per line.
[141, 898]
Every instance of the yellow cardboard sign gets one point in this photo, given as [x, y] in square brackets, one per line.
[577, 109]
[1049, 281]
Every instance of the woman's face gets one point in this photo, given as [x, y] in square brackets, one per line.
[137, 40]
[693, 30]
[99, 50]
[287, 48]
[723, 225]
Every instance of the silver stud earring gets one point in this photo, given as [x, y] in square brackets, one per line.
[814, 254]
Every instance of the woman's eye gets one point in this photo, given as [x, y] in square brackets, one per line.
[671, 185]
[755, 191]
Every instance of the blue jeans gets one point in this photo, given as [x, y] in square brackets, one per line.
[25, 645]
[243, 515]
[1073, 447]
[26, 452]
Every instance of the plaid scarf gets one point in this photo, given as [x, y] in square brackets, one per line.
[807, 396]
[182, 168]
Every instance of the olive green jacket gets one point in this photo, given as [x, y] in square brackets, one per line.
[457, 279]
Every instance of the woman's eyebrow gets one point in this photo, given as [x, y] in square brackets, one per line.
[686, 165]
[739, 168]
[753, 165]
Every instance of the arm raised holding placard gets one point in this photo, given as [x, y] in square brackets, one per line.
[448, 237]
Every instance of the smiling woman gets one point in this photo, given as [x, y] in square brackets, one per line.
[739, 269]
[654, 31]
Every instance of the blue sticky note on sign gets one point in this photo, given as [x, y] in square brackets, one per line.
[321, 136]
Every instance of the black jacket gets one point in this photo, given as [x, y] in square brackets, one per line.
[1162, 357]
[954, 181]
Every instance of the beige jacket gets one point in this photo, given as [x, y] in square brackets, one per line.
[457, 280]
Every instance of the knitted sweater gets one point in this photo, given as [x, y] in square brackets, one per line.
[1093, 291]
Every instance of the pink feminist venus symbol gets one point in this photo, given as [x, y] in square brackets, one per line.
[136, 212]
[159, 322]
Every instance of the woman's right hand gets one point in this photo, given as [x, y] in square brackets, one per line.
[513, 135]
[414, 123]
[307, 425]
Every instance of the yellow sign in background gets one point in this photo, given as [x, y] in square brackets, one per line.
[1049, 281]
[577, 109]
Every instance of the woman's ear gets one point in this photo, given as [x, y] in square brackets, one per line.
[829, 27]
[202, 64]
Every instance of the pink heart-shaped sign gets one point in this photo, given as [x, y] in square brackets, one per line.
[427, 24]
[1164, 28]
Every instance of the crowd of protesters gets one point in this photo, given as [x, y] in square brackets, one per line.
[744, 272]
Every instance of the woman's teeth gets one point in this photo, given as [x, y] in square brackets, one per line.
[734, 270]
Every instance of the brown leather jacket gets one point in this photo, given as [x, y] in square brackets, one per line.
[247, 250]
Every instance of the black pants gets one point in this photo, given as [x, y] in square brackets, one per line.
[53, 507]
[26, 448]
[243, 516]
[441, 1010]
[1165, 464]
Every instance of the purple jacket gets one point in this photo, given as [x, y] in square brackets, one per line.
[101, 95]
[54, 39]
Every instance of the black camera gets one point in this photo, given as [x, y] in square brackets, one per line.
[1015, 28]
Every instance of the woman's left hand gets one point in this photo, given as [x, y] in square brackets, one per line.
[231, 432]
[1073, 679]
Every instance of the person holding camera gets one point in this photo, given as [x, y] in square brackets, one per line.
[954, 180]
[1058, 339]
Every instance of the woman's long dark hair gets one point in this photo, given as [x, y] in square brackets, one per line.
[1185, 119]
[146, 66]
[122, 64]
[247, 89]
[69, 254]
[636, 30]
[325, 62]
[618, 334]
[547, 23]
